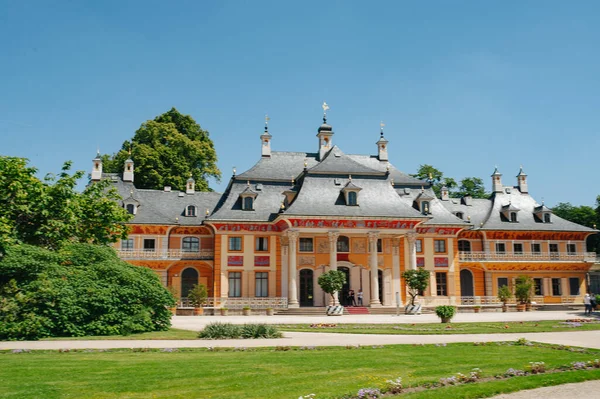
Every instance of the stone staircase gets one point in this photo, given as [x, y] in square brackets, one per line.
[357, 310]
[351, 310]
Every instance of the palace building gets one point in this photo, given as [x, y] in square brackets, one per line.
[294, 215]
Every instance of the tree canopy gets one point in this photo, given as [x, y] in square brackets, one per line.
[583, 215]
[166, 151]
[50, 212]
[472, 186]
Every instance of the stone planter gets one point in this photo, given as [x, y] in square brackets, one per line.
[270, 312]
[413, 309]
[337, 310]
[198, 311]
[224, 312]
[246, 312]
[520, 307]
[476, 310]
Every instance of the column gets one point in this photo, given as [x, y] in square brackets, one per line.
[396, 286]
[411, 237]
[333, 237]
[284, 265]
[293, 286]
[373, 236]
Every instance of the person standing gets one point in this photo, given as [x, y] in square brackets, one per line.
[587, 302]
[593, 302]
[360, 297]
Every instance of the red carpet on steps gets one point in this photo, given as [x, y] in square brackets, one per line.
[357, 310]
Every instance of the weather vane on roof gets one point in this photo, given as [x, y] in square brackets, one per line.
[381, 125]
[267, 119]
[325, 108]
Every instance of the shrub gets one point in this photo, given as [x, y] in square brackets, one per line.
[394, 386]
[445, 311]
[504, 294]
[332, 282]
[260, 331]
[417, 281]
[197, 295]
[523, 288]
[219, 330]
[81, 290]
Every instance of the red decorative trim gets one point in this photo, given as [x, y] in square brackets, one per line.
[440, 262]
[420, 262]
[354, 224]
[446, 231]
[259, 227]
[344, 257]
[262, 260]
[235, 261]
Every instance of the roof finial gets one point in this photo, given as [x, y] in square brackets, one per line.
[542, 201]
[350, 177]
[381, 125]
[267, 119]
[248, 183]
[233, 170]
[325, 108]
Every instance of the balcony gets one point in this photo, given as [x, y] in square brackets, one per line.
[527, 257]
[171, 254]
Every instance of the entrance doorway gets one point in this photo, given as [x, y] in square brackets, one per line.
[343, 294]
[189, 278]
[380, 282]
[306, 287]
[466, 283]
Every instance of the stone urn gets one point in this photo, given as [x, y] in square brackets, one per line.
[413, 309]
[334, 310]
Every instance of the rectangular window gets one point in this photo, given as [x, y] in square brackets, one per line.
[379, 245]
[439, 246]
[235, 284]
[556, 289]
[419, 245]
[536, 248]
[571, 249]
[553, 248]
[441, 284]
[262, 284]
[518, 248]
[537, 286]
[235, 243]
[127, 245]
[149, 244]
[573, 286]
[306, 244]
[262, 243]
[502, 281]
[500, 247]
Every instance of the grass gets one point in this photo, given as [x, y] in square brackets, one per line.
[171, 333]
[446, 329]
[270, 373]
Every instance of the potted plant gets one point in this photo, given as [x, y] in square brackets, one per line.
[270, 311]
[477, 308]
[504, 296]
[523, 288]
[175, 294]
[445, 312]
[197, 296]
[246, 310]
[331, 282]
[224, 311]
[417, 281]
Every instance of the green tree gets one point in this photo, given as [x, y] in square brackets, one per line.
[332, 282]
[435, 177]
[583, 215]
[472, 186]
[166, 151]
[51, 212]
[417, 281]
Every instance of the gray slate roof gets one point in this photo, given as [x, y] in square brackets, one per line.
[279, 166]
[337, 162]
[438, 213]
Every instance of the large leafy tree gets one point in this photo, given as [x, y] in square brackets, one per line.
[472, 186]
[435, 177]
[50, 212]
[583, 215]
[166, 151]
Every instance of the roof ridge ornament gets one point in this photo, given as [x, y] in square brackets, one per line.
[381, 125]
[325, 108]
[267, 119]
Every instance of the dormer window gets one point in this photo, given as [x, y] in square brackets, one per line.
[423, 202]
[190, 210]
[350, 192]
[248, 204]
[513, 217]
[425, 207]
[542, 214]
[460, 215]
[248, 196]
[130, 209]
[509, 213]
[546, 218]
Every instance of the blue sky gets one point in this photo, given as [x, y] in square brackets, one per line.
[462, 85]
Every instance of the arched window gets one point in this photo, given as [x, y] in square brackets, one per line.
[425, 207]
[190, 210]
[546, 218]
[248, 203]
[189, 278]
[131, 209]
[190, 244]
[343, 244]
[352, 198]
[464, 246]
[513, 216]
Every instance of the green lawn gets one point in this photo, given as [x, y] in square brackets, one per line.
[270, 373]
[444, 329]
[171, 333]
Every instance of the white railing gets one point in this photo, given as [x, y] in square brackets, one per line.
[166, 254]
[492, 300]
[528, 256]
[240, 303]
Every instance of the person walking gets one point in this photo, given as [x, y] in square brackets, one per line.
[587, 302]
[360, 297]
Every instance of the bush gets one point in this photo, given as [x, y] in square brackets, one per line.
[219, 330]
[445, 311]
[81, 290]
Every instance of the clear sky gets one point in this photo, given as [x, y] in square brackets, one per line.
[461, 85]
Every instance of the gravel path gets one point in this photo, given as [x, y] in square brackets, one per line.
[588, 389]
